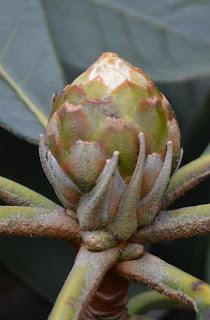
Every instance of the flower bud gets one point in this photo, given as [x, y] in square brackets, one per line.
[111, 143]
[103, 110]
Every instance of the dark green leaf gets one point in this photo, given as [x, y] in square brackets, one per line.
[199, 133]
[29, 70]
[187, 99]
[168, 39]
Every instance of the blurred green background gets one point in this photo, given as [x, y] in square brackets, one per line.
[46, 44]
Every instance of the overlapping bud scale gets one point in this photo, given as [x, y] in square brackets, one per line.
[103, 111]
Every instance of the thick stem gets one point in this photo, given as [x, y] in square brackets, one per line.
[39, 222]
[176, 224]
[186, 178]
[109, 302]
[14, 193]
[82, 283]
[169, 280]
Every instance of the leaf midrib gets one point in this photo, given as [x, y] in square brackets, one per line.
[23, 96]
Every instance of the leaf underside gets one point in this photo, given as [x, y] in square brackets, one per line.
[166, 39]
[29, 69]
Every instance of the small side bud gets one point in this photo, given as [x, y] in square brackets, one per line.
[98, 240]
[132, 251]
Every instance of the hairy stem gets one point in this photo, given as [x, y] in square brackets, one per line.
[15, 194]
[82, 282]
[39, 222]
[169, 280]
[186, 178]
[176, 224]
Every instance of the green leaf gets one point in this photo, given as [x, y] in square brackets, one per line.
[29, 69]
[167, 39]
[199, 130]
[188, 99]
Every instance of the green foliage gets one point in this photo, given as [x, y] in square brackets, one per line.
[168, 37]
[29, 69]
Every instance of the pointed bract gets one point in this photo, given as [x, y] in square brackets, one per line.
[108, 105]
[107, 148]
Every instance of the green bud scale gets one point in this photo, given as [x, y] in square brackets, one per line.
[111, 144]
